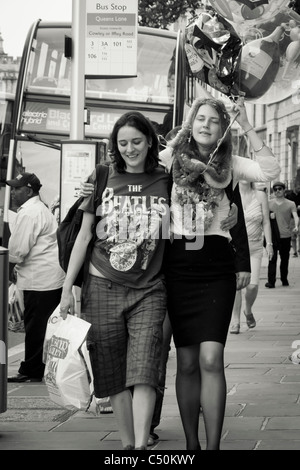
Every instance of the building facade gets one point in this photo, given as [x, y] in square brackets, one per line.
[278, 124]
[9, 68]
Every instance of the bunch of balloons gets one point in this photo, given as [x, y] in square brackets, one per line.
[213, 50]
[246, 47]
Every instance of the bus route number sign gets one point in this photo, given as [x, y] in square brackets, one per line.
[111, 38]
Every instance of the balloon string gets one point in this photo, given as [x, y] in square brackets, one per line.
[212, 156]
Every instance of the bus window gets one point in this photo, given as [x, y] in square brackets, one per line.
[6, 111]
[49, 71]
[155, 60]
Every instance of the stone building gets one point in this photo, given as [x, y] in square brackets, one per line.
[9, 68]
[278, 124]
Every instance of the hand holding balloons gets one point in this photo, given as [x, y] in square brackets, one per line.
[241, 118]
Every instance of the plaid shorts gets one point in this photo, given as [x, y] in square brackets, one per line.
[125, 338]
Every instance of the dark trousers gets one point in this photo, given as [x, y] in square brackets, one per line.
[38, 308]
[284, 253]
[166, 346]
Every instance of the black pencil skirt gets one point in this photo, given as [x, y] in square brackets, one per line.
[201, 287]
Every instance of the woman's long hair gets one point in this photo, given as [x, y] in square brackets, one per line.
[184, 140]
[142, 124]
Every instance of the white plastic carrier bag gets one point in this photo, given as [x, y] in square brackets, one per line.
[15, 309]
[67, 373]
[295, 356]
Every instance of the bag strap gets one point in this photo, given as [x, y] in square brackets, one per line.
[214, 153]
[101, 180]
[229, 192]
[170, 182]
[100, 183]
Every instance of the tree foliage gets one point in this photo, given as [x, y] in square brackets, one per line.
[160, 14]
[295, 5]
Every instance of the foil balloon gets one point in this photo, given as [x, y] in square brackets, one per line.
[245, 13]
[212, 49]
[260, 62]
[270, 59]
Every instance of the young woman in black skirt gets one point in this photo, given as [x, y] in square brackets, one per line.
[199, 260]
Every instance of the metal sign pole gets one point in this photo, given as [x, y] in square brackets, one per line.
[77, 70]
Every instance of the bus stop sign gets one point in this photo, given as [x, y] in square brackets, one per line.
[111, 38]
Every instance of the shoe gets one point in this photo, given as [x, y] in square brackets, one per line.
[250, 320]
[295, 255]
[152, 438]
[235, 329]
[19, 378]
[269, 285]
[140, 448]
[103, 406]
[129, 447]
[285, 283]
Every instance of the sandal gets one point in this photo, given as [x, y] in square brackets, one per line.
[235, 329]
[250, 320]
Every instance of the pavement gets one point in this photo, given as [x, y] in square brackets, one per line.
[263, 392]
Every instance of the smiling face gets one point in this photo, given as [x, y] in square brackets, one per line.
[133, 147]
[206, 127]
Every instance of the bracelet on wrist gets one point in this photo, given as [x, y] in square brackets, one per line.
[271, 244]
[250, 129]
[258, 150]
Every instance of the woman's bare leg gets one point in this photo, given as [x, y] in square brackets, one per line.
[122, 407]
[144, 398]
[250, 297]
[134, 413]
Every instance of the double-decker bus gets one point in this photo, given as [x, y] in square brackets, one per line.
[41, 119]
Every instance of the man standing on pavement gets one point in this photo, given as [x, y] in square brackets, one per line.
[283, 210]
[33, 254]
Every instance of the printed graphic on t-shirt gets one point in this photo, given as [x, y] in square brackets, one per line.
[130, 228]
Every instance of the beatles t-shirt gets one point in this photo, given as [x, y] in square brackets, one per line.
[133, 227]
